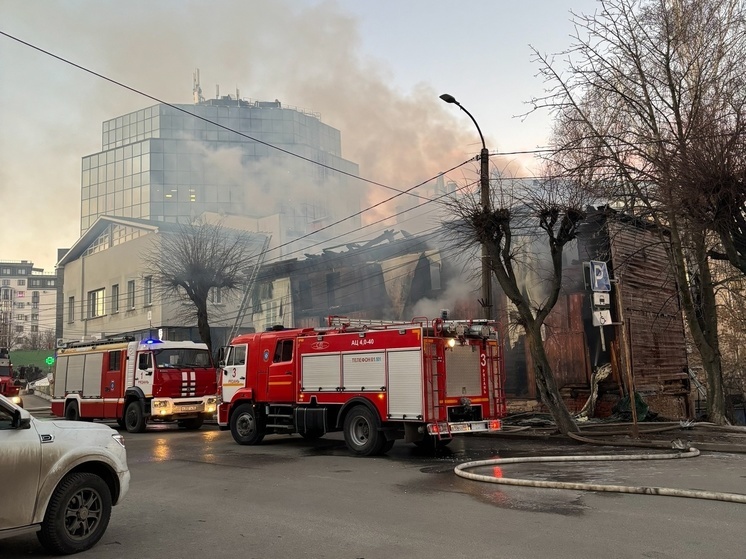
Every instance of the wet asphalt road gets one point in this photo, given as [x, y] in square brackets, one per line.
[198, 494]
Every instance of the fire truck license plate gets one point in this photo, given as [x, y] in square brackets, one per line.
[461, 428]
[188, 408]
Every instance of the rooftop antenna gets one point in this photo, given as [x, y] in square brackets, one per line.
[197, 89]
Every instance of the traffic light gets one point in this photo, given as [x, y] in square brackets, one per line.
[50, 360]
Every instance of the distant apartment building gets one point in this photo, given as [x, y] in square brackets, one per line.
[28, 304]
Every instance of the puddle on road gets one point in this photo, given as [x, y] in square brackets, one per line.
[551, 501]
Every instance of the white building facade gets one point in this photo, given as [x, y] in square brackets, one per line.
[28, 305]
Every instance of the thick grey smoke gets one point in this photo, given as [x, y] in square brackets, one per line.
[303, 56]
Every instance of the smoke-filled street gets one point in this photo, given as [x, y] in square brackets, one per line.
[198, 494]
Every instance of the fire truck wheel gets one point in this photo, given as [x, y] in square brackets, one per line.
[71, 411]
[134, 419]
[361, 432]
[245, 426]
[77, 515]
[191, 424]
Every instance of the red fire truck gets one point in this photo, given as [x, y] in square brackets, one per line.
[8, 386]
[421, 381]
[135, 382]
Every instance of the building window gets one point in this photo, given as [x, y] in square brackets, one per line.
[5, 271]
[21, 282]
[21, 271]
[306, 300]
[332, 283]
[19, 329]
[34, 328]
[115, 298]
[6, 282]
[35, 317]
[34, 296]
[96, 305]
[131, 294]
[148, 290]
[20, 294]
[216, 296]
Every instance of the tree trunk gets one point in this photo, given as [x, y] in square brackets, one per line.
[203, 326]
[548, 390]
[700, 310]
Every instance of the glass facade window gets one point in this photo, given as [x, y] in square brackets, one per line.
[162, 164]
[71, 309]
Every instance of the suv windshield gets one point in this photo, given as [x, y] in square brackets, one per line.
[4, 371]
[179, 358]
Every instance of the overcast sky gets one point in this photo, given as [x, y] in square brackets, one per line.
[373, 69]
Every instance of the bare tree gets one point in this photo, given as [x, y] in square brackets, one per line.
[525, 231]
[196, 258]
[652, 106]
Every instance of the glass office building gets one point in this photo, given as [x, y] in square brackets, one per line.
[172, 163]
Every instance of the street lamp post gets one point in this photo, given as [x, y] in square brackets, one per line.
[484, 182]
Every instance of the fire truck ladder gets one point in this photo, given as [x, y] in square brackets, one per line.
[340, 321]
[439, 407]
[241, 314]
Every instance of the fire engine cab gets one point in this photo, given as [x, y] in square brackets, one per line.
[421, 381]
[135, 382]
[8, 385]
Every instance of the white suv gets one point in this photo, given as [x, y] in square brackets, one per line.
[58, 478]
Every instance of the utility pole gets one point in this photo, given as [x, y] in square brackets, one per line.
[484, 189]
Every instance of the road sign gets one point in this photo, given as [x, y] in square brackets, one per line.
[599, 276]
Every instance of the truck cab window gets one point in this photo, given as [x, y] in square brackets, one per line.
[237, 355]
[283, 351]
[144, 361]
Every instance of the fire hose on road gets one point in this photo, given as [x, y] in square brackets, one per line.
[461, 470]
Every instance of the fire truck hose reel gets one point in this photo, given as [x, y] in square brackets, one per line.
[691, 452]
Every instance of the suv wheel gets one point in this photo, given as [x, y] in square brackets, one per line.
[77, 515]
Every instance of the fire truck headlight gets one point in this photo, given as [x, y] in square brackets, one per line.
[16, 400]
[160, 403]
[212, 401]
[452, 342]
